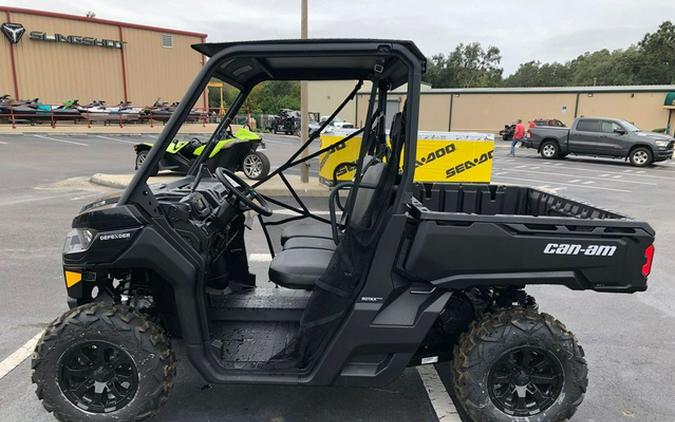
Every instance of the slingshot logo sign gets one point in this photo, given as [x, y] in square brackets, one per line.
[13, 31]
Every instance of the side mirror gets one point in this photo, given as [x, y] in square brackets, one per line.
[620, 131]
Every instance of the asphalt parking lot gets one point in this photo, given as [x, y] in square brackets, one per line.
[628, 339]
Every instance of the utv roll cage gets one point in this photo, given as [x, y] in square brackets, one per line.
[387, 64]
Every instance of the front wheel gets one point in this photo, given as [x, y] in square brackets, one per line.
[550, 150]
[518, 363]
[641, 157]
[141, 156]
[255, 165]
[101, 361]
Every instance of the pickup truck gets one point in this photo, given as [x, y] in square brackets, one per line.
[603, 137]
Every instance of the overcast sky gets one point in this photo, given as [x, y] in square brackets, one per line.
[523, 30]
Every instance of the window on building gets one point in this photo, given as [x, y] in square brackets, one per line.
[167, 40]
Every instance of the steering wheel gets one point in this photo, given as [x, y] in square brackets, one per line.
[245, 195]
[195, 142]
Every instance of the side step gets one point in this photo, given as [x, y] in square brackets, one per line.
[260, 304]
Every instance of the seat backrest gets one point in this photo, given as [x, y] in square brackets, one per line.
[366, 190]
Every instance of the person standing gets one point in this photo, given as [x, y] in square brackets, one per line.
[518, 136]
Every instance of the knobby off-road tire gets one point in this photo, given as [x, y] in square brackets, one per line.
[76, 336]
[480, 354]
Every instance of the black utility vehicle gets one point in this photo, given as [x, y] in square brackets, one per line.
[603, 137]
[408, 275]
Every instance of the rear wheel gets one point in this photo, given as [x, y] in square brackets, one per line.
[255, 165]
[518, 363]
[550, 150]
[101, 361]
[641, 157]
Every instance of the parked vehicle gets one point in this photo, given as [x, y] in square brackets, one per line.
[286, 122]
[602, 137]
[237, 151]
[394, 282]
[548, 122]
[507, 132]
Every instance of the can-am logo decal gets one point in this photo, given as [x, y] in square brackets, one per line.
[13, 31]
[575, 249]
[75, 40]
[435, 155]
[114, 236]
[468, 164]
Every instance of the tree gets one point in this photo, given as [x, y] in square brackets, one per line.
[466, 66]
[657, 56]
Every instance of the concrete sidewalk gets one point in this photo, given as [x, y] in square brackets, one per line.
[272, 187]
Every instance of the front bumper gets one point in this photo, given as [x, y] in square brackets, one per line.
[662, 155]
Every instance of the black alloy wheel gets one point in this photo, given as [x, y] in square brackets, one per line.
[525, 381]
[97, 377]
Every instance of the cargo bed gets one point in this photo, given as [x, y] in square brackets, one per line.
[491, 235]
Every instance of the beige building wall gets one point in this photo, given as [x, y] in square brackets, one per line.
[644, 109]
[6, 83]
[56, 72]
[154, 71]
[490, 112]
[326, 96]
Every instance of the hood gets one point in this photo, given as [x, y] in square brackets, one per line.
[655, 136]
[106, 200]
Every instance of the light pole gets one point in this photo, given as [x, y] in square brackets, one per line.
[304, 100]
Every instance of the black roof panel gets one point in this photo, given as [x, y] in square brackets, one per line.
[249, 62]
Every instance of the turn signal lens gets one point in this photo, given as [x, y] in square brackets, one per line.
[649, 258]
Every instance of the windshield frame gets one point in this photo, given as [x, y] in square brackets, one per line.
[138, 192]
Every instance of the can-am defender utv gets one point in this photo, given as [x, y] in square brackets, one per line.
[407, 275]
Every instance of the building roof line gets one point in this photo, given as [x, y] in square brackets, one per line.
[549, 90]
[100, 21]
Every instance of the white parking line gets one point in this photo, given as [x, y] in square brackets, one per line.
[438, 395]
[49, 138]
[4, 143]
[15, 359]
[548, 173]
[565, 184]
[603, 173]
[116, 140]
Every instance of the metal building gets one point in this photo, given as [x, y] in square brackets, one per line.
[489, 109]
[57, 57]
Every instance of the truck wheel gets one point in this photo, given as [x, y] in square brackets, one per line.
[140, 159]
[550, 150]
[518, 363]
[641, 157]
[101, 361]
[255, 165]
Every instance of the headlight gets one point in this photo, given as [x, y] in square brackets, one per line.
[662, 144]
[78, 240]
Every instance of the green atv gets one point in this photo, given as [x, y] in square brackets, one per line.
[237, 151]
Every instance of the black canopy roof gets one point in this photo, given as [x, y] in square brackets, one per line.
[249, 62]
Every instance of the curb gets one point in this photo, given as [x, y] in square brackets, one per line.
[314, 190]
[102, 180]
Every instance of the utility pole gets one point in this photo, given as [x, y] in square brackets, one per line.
[304, 100]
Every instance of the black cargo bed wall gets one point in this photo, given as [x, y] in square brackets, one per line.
[500, 199]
